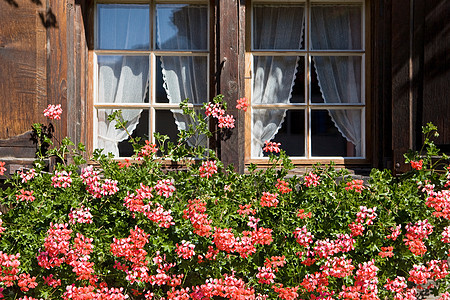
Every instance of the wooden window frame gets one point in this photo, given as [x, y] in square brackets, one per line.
[306, 52]
[152, 106]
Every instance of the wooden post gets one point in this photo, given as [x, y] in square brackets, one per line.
[230, 63]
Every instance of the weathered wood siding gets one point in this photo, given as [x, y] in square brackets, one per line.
[43, 54]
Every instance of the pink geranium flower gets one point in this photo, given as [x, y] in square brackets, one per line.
[53, 112]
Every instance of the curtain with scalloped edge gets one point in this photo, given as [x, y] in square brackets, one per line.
[185, 77]
[122, 79]
[339, 28]
[278, 27]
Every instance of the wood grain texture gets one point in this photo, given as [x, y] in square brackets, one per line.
[23, 67]
[401, 98]
[232, 151]
[436, 70]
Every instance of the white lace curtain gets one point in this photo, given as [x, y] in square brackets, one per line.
[122, 79]
[339, 27]
[185, 77]
[332, 27]
[276, 27]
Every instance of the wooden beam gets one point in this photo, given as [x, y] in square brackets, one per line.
[229, 62]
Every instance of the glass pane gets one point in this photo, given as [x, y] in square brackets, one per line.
[278, 79]
[123, 26]
[336, 27]
[123, 79]
[169, 122]
[336, 133]
[288, 126]
[116, 140]
[278, 27]
[181, 27]
[181, 77]
[336, 79]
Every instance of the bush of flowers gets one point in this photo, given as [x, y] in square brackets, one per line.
[136, 229]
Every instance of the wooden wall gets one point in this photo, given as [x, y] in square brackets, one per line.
[43, 58]
[420, 71]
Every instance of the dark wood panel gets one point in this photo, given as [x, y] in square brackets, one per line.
[23, 66]
[228, 59]
[436, 85]
[402, 130]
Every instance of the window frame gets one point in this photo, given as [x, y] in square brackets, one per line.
[153, 53]
[307, 53]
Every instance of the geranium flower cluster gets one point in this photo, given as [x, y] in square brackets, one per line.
[272, 147]
[208, 168]
[80, 215]
[9, 268]
[153, 211]
[94, 186]
[147, 150]
[216, 111]
[440, 201]
[417, 164]
[400, 289]
[446, 235]
[302, 215]
[287, 293]
[242, 103]
[269, 200]
[185, 250]
[396, 231]
[246, 210]
[311, 180]
[28, 175]
[165, 187]
[338, 267]
[366, 278]
[386, 251]
[364, 216]
[355, 185]
[53, 112]
[325, 248]
[25, 196]
[58, 251]
[62, 179]
[416, 234]
[2, 168]
[161, 278]
[199, 220]
[303, 236]
[228, 287]
[283, 186]
[91, 292]
[132, 250]
[211, 254]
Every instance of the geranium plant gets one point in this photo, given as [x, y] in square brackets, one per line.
[134, 229]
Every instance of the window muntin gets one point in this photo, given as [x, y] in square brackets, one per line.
[323, 60]
[148, 58]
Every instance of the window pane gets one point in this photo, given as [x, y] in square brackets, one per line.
[123, 26]
[115, 140]
[336, 133]
[279, 125]
[181, 77]
[122, 79]
[278, 79]
[337, 27]
[278, 27]
[336, 79]
[181, 27]
[169, 122]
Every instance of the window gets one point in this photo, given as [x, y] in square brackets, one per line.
[308, 78]
[148, 57]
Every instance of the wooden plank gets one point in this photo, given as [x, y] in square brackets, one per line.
[228, 59]
[23, 67]
[436, 88]
[401, 99]
[57, 63]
